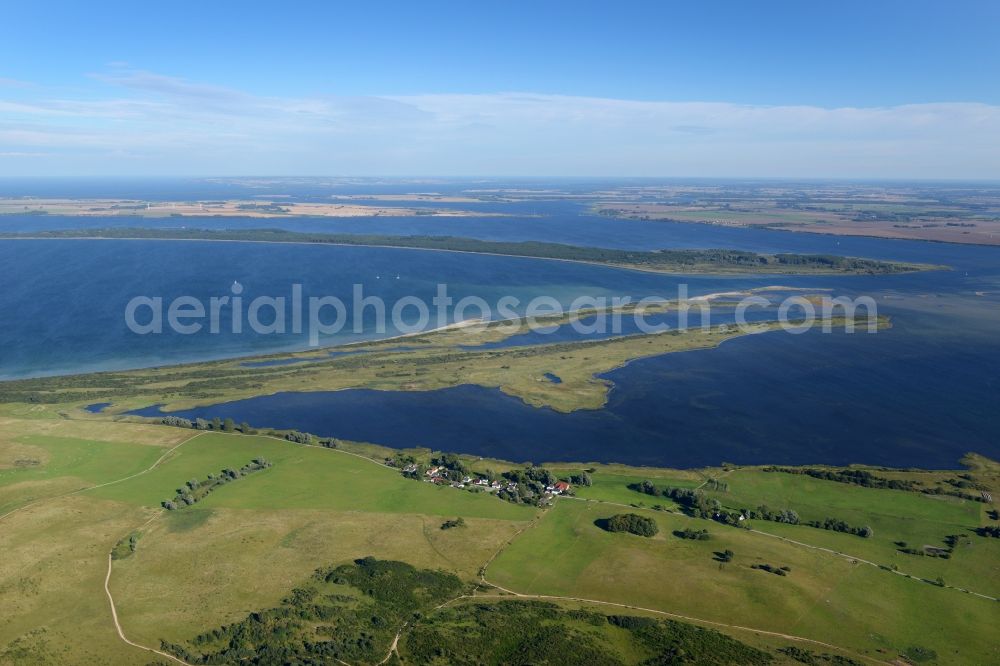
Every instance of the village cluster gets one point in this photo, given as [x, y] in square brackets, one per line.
[533, 485]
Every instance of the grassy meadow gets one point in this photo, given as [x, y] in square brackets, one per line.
[824, 597]
[74, 489]
[896, 517]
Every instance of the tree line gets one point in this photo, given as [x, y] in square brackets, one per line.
[217, 424]
[697, 504]
[194, 490]
[866, 479]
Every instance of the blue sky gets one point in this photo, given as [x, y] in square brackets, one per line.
[845, 89]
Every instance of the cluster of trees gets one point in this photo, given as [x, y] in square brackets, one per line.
[227, 425]
[989, 531]
[538, 632]
[693, 502]
[299, 437]
[194, 490]
[452, 466]
[689, 533]
[530, 482]
[764, 512]
[582, 479]
[716, 485]
[632, 523]
[125, 547]
[347, 613]
[401, 460]
[804, 656]
[780, 571]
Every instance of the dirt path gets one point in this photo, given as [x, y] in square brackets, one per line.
[118, 627]
[859, 560]
[847, 556]
[393, 649]
[107, 577]
[482, 577]
[687, 618]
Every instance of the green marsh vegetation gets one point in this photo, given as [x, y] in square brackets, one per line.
[441, 359]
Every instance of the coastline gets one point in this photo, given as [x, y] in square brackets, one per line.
[465, 323]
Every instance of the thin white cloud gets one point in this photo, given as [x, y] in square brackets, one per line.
[14, 83]
[150, 123]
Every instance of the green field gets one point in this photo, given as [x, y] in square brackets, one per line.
[825, 597]
[250, 541]
[41, 460]
[613, 487]
[301, 478]
[895, 516]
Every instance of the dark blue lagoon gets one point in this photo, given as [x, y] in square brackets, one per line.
[920, 394]
[778, 398]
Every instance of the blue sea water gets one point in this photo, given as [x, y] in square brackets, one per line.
[921, 393]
